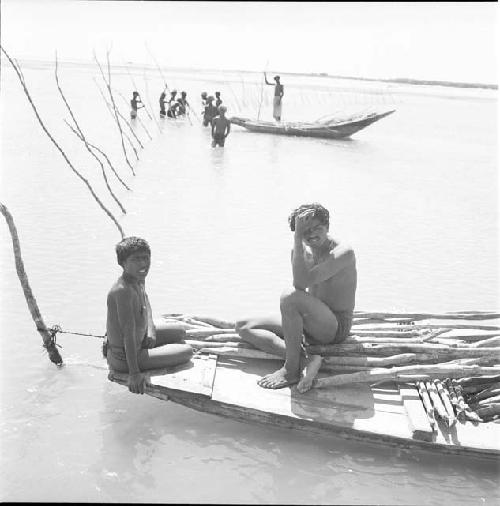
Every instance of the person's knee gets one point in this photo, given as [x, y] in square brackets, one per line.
[290, 299]
[184, 352]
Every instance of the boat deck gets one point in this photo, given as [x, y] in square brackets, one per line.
[382, 414]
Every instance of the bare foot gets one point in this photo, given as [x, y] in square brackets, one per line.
[313, 363]
[278, 379]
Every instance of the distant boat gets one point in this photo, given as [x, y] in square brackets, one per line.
[329, 128]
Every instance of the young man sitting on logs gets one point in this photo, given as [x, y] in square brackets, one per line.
[134, 343]
[319, 308]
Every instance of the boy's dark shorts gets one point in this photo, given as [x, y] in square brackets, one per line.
[218, 139]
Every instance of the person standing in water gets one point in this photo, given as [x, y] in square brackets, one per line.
[278, 95]
[172, 105]
[134, 343]
[210, 111]
[135, 103]
[221, 127]
[317, 310]
[183, 104]
[163, 101]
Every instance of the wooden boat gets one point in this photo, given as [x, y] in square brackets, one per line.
[389, 413]
[328, 129]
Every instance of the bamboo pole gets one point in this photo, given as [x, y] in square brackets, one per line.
[487, 392]
[460, 315]
[445, 399]
[63, 154]
[49, 342]
[439, 409]
[426, 401]
[82, 136]
[93, 146]
[405, 358]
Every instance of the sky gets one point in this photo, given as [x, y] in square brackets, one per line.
[450, 41]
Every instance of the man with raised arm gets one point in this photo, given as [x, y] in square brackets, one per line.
[278, 95]
[135, 344]
[319, 308]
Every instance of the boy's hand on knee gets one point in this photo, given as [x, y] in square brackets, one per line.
[136, 383]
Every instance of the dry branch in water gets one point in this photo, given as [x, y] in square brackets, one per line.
[48, 341]
[93, 146]
[82, 136]
[63, 154]
[117, 119]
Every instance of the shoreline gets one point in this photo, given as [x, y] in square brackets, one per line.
[395, 80]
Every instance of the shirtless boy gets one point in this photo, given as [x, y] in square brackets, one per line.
[134, 343]
[318, 309]
[221, 127]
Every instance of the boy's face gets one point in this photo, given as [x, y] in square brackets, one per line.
[137, 265]
[315, 234]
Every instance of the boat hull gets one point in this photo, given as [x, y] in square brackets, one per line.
[339, 130]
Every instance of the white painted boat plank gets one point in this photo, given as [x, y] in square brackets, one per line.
[195, 377]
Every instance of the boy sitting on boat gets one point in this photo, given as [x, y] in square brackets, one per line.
[134, 343]
[318, 309]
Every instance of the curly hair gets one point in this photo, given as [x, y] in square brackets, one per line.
[129, 246]
[320, 212]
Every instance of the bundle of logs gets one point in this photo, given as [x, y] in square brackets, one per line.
[452, 358]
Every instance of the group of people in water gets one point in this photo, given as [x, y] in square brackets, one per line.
[213, 113]
[318, 309]
[175, 107]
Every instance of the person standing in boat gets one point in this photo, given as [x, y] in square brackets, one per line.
[221, 127]
[135, 104]
[134, 343]
[278, 95]
[317, 310]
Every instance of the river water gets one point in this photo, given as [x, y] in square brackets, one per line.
[416, 195]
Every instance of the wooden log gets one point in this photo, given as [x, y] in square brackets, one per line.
[204, 344]
[204, 320]
[445, 399]
[424, 395]
[461, 315]
[394, 349]
[474, 389]
[485, 343]
[240, 353]
[384, 374]
[418, 421]
[201, 333]
[487, 392]
[405, 358]
[489, 410]
[476, 380]
[494, 399]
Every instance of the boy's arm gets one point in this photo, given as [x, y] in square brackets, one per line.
[305, 276]
[228, 127]
[126, 320]
[267, 82]
[151, 334]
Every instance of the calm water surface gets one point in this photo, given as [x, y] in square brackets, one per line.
[415, 194]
